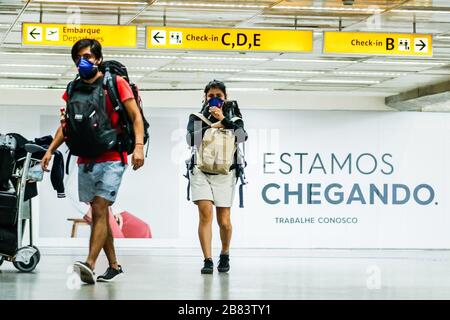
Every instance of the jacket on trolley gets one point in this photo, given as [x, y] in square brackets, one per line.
[57, 171]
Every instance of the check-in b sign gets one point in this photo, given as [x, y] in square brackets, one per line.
[404, 44]
[229, 39]
[378, 43]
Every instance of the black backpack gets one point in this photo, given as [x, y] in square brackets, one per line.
[126, 139]
[8, 147]
[87, 126]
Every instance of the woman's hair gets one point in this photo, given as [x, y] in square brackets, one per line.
[216, 84]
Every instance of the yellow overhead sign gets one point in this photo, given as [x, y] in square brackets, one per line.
[229, 39]
[378, 43]
[44, 34]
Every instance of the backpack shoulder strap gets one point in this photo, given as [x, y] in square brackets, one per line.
[70, 87]
[234, 119]
[203, 118]
[110, 83]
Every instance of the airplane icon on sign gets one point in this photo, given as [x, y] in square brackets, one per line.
[52, 34]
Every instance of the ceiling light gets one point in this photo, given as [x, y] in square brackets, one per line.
[225, 58]
[142, 68]
[343, 81]
[419, 11]
[265, 80]
[142, 56]
[30, 74]
[249, 89]
[405, 62]
[201, 70]
[35, 65]
[286, 71]
[313, 60]
[208, 5]
[381, 74]
[27, 86]
[442, 37]
[36, 53]
[92, 2]
[369, 10]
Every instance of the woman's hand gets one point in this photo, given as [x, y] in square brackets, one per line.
[217, 113]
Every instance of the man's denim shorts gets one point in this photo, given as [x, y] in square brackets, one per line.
[103, 180]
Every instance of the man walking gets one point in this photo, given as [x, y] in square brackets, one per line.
[100, 173]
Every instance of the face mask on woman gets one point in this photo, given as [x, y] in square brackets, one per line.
[215, 102]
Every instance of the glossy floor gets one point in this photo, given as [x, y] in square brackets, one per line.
[255, 274]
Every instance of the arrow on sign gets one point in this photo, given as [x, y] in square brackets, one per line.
[156, 37]
[422, 45]
[33, 33]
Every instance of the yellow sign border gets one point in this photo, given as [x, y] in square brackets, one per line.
[67, 46]
[380, 54]
[219, 50]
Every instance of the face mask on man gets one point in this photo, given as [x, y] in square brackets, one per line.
[86, 69]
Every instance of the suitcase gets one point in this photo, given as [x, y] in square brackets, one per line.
[8, 240]
[8, 208]
[8, 146]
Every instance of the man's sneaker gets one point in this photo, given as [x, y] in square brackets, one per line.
[208, 266]
[85, 272]
[224, 263]
[110, 274]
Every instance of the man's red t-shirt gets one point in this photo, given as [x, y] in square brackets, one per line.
[125, 93]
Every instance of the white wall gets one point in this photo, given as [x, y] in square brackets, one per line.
[157, 193]
[419, 144]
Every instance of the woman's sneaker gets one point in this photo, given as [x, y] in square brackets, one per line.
[110, 274]
[85, 272]
[208, 266]
[224, 263]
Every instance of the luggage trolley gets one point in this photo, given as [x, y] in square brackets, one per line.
[24, 257]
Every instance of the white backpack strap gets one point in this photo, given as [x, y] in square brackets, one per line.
[235, 119]
[203, 118]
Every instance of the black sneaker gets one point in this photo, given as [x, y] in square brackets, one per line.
[208, 266]
[85, 272]
[110, 274]
[224, 263]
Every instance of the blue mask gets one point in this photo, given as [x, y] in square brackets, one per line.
[86, 69]
[215, 102]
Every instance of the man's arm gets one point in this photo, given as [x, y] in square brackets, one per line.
[138, 126]
[57, 141]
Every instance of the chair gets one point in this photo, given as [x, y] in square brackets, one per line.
[76, 223]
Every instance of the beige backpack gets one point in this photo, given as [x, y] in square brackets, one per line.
[216, 152]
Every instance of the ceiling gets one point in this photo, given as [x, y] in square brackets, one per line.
[31, 67]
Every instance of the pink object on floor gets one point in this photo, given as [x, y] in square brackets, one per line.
[133, 227]
[115, 229]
